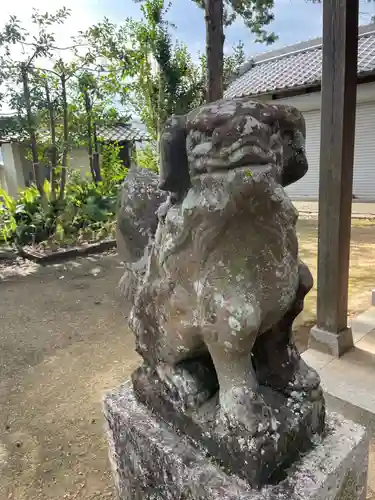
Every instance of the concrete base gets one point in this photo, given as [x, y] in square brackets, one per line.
[152, 462]
[331, 343]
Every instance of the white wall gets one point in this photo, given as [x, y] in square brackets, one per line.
[14, 177]
[3, 179]
[79, 160]
[17, 168]
[364, 154]
[309, 102]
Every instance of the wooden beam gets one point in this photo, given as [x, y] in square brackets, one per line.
[339, 90]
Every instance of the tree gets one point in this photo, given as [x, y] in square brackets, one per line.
[231, 67]
[256, 14]
[50, 84]
[53, 116]
[88, 88]
[95, 99]
[18, 76]
[51, 104]
[155, 77]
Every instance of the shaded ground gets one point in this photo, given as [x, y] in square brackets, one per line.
[63, 342]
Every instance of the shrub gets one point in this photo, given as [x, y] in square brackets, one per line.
[147, 158]
[28, 219]
[113, 170]
[87, 211]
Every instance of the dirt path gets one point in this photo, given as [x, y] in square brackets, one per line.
[63, 342]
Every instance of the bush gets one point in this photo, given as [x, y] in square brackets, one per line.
[113, 171]
[87, 211]
[147, 158]
[27, 219]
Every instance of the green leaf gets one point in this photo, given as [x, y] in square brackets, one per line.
[8, 201]
[47, 188]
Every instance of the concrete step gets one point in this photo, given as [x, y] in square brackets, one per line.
[351, 377]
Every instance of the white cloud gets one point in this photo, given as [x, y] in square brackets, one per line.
[83, 14]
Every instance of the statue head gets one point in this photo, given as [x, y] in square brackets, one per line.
[232, 134]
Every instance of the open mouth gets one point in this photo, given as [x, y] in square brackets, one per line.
[245, 157]
[246, 168]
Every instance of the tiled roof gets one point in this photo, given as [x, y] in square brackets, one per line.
[118, 132]
[9, 129]
[121, 132]
[296, 67]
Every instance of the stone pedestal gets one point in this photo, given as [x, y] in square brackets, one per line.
[253, 457]
[152, 462]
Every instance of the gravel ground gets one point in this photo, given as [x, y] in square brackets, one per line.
[63, 343]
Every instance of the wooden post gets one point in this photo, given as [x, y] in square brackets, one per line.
[339, 90]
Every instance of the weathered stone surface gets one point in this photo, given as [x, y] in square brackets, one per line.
[151, 461]
[217, 291]
[231, 133]
[137, 221]
[254, 458]
[136, 217]
[224, 268]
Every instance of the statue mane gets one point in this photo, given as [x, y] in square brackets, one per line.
[205, 212]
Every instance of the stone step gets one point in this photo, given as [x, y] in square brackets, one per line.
[351, 377]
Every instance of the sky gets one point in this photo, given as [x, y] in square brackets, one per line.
[295, 20]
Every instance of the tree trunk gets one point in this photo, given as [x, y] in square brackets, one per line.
[161, 103]
[214, 48]
[95, 137]
[95, 156]
[52, 124]
[64, 162]
[31, 130]
[89, 134]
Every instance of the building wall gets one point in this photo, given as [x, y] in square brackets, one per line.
[312, 101]
[27, 165]
[79, 160]
[3, 179]
[364, 157]
[17, 170]
[14, 177]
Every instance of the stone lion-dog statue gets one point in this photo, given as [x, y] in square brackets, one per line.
[220, 283]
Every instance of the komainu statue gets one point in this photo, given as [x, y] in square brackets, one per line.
[220, 284]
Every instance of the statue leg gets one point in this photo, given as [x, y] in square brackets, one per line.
[171, 345]
[230, 338]
[276, 359]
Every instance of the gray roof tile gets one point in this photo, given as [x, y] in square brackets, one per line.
[121, 132]
[296, 68]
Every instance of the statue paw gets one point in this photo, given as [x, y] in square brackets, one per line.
[303, 379]
[289, 374]
[189, 384]
[244, 408]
